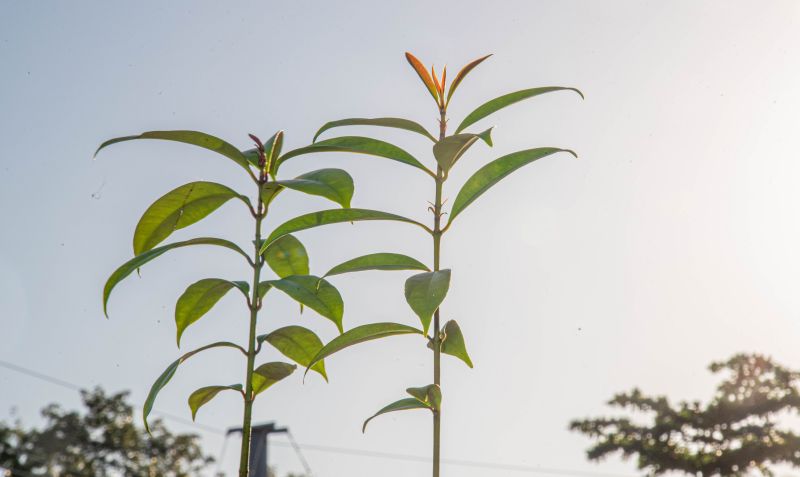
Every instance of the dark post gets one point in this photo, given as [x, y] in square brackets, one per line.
[258, 447]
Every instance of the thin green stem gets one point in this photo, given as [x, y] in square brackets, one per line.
[255, 305]
[437, 244]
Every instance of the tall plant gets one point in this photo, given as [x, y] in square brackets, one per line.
[281, 251]
[426, 291]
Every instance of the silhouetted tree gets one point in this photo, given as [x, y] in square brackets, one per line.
[102, 442]
[732, 434]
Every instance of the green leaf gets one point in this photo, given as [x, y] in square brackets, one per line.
[430, 395]
[298, 344]
[496, 104]
[493, 172]
[270, 373]
[359, 145]
[206, 394]
[287, 256]
[453, 343]
[177, 209]
[315, 293]
[450, 149]
[195, 138]
[263, 288]
[383, 122]
[136, 262]
[377, 261]
[199, 298]
[425, 292]
[401, 405]
[360, 334]
[462, 74]
[272, 150]
[269, 191]
[332, 216]
[333, 184]
[168, 373]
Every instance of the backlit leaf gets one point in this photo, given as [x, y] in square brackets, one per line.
[450, 149]
[453, 343]
[430, 395]
[206, 394]
[493, 172]
[501, 102]
[423, 75]
[199, 298]
[298, 344]
[462, 74]
[315, 293]
[268, 374]
[287, 256]
[425, 292]
[333, 184]
[377, 261]
[136, 262]
[401, 405]
[398, 123]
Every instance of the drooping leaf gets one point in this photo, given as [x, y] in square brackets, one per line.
[168, 373]
[358, 145]
[454, 344]
[501, 102]
[206, 394]
[136, 262]
[462, 74]
[450, 149]
[430, 395]
[360, 334]
[270, 373]
[401, 405]
[331, 216]
[287, 256]
[493, 172]
[177, 209]
[298, 344]
[315, 293]
[398, 123]
[333, 184]
[199, 298]
[425, 292]
[423, 75]
[195, 138]
[377, 261]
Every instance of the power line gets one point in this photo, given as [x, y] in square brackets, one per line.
[336, 450]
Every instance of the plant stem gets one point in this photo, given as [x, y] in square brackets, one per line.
[437, 242]
[255, 304]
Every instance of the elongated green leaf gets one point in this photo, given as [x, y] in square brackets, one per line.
[360, 334]
[331, 216]
[195, 138]
[206, 394]
[398, 123]
[269, 191]
[501, 102]
[358, 145]
[430, 395]
[272, 149]
[493, 172]
[377, 261]
[128, 267]
[450, 149]
[462, 74]
[177, 209]
[333, 184]
[168, 373]
[425, 292]
[315, 293]
[270, 373]
[401, 405]
[199, 298]
[298, 344]
[453, 343]
[287, 256]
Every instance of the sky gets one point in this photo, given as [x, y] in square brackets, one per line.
[670, 243]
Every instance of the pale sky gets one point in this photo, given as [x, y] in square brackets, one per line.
[670, 243]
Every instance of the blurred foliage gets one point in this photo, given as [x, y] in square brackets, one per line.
[100, 442]
[735, 433]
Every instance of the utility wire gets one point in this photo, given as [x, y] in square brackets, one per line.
[299, 453]
[336, 450]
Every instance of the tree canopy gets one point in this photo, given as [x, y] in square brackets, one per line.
[737, 431]
[100, 442]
